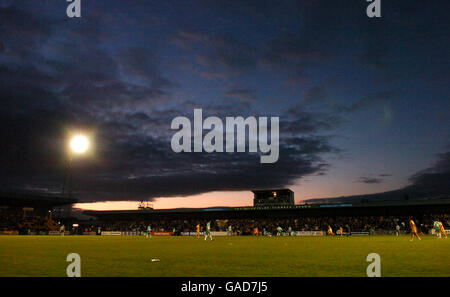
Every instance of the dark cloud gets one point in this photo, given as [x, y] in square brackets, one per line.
[373, 179]
[142, 64]
[304, 122]
[433, 181]
[201, 173]
[296, 79]
[146, 167]
[214, 75]
[133, 159]
[369, 180]
[309, 34]
[20, 32]
[187, 39]
[133, 167]
[242, 94]
[229, 54]
[315, 94]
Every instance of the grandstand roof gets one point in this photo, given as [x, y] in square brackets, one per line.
[272, 190]
[25, 199]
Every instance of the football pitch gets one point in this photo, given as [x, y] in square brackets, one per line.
[223, 257]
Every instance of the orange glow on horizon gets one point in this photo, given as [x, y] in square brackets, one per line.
[308, 189]
[211, 199]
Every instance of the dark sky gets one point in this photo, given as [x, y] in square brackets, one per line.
[363, 103]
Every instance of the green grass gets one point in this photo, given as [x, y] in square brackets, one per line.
[225, 256]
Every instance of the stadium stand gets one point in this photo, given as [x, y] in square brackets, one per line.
[373, 218]
[28, 213]
[372, 225]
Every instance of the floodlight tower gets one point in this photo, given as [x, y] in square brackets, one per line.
[78, 145]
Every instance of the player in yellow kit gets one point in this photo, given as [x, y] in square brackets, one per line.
[341, 231]
[198, 231]
[413, 230]
[441, 229]
[330, 231]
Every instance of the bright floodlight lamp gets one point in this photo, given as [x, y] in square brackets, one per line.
[79, 144]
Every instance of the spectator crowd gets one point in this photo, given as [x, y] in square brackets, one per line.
[372, 224]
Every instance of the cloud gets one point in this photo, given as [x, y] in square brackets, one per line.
[433, 181]
[20, 32]
[245, 95]
[187, 39]
[315, 94]
[133, 159]
[229, 54]
[373, 179]
[300, 121]
[142, 64]
[297, 78]
[145, 167]
[369, 180]
[214, 75]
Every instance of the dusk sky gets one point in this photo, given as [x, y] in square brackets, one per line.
[363, 102]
